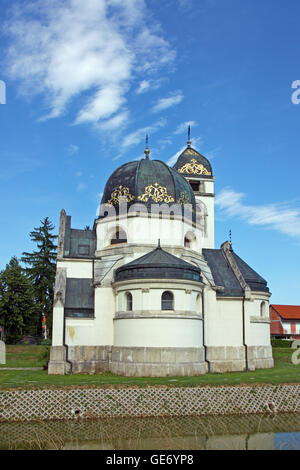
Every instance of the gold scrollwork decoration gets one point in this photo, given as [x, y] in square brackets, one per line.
[193, 167]
[191, 152]
[122, 192]
[184, 198]
[157, 193]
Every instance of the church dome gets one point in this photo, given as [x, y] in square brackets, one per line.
[158, 264]
[148, 182]
[192, 163]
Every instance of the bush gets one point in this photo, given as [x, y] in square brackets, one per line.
[29, 340]
[45, 342]
[281, 343]
[45, 357]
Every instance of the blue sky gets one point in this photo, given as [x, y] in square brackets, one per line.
[86, 79]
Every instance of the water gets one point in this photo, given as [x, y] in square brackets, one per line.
[252, 432]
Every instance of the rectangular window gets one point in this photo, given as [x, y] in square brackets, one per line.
[83, 249]
[80, 298]
[79, 313]
[195, 186]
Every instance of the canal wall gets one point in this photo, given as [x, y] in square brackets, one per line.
[80, 402]
[185, 432]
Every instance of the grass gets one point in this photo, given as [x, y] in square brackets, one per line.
[30, 356]
[24, 356]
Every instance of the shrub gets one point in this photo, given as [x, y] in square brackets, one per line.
[45, 342]
[45, 357]
[281, 343]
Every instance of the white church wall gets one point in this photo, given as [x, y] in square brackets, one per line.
[82, 332]
[96, 331]
[158, 332]
[257, 325]
[208, 240]
[80, 269]
[209, 186]
[104, 313]
[259, 334]
[143, 230]
[223, 321]
[58, 325]
[146, 295]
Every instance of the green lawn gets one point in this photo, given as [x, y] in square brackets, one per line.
[283, 372]
[24, 356]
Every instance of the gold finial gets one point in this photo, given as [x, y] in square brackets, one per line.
[147, 151]
[189, 136]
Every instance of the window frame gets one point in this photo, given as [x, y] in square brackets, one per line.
[167, 304]
[129, 301]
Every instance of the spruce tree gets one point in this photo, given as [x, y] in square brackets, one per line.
[41, 269]
[17, 305]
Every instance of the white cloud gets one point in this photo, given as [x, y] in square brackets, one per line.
[211, 154]
[80, 187]
[183, 127]
[103, 104]
[174, 157]
[94, 49]
[165, 141]
[139, 135]
[165, 103]
[279, 216]
[72, 149]
[143, 86]
[115, 123]
[147, 85]
[184, 3]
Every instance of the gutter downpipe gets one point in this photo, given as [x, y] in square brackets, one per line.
[244, 335]
[67, 347]
[203, 333]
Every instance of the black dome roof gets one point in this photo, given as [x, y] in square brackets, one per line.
[147, 181]
[192, 163]
[158, 264]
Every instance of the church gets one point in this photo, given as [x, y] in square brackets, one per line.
[145, 293]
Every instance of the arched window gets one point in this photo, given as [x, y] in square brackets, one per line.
[201, 216]
[187, 242]
[167, 301]
[199, 303]
[128, 301]
[119, 236]
[263, 309]
[190, 241]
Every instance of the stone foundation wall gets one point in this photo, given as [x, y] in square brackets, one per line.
[233, 359]
[89, 359]
[158, 362]
[226, 358]
[83, 359]
[260, 357]
[57, 364]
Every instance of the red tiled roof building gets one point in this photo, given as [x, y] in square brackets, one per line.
[285, 321]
